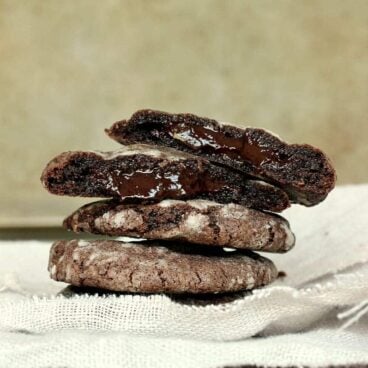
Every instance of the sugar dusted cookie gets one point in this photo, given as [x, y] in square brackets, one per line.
[192, 221]
[155, 268]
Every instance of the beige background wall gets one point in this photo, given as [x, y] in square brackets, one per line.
[70, 68]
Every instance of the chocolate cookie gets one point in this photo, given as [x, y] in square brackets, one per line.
[141, 173]
[195, 221]
[303, 171]
[153, 268]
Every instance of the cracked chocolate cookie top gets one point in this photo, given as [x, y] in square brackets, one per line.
[156, 267]
[193, 221]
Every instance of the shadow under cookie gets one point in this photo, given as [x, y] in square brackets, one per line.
[185, 298]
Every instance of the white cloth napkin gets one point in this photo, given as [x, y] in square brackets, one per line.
[316, 316]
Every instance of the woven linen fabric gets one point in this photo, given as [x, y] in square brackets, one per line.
[315, 316]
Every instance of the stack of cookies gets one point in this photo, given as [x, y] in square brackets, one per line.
[199, 194]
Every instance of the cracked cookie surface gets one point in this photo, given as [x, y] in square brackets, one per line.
[192, 221]
[154, 267]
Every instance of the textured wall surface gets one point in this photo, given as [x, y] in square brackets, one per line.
[70, 68]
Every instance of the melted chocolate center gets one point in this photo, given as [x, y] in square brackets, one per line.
[156, 185]
[210, 140]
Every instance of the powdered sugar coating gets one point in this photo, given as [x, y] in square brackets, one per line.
[83, 243]
[290, 237]
[144, 149]
[53, 271]
[195, 221]
[154, 268]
